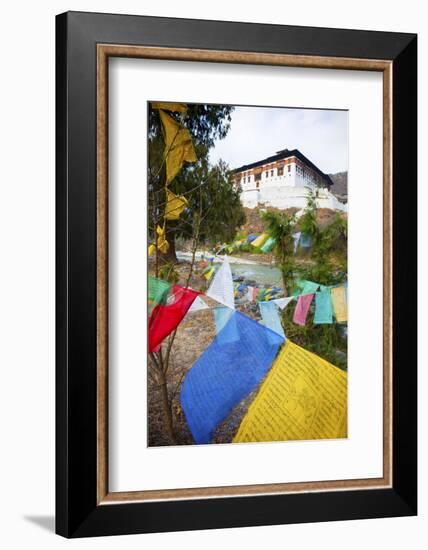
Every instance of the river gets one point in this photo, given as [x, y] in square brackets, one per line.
[264, 275]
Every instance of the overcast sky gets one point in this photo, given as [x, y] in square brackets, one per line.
[258, 132]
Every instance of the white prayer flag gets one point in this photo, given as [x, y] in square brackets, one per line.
[248, 297]
[198, 304]
[296, 238]
[282, 303]
[221, 287]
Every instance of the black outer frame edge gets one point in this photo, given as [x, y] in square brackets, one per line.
[405, 274]
[77, 514]
[223, 513]
[61, 264]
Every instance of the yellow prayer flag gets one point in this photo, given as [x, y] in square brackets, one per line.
[175, 204]
[162, 243]
[260, 239]
[338, 297]
[152, 249]
[303, 397]
[174, 107]
[178, 146]
[209, 274]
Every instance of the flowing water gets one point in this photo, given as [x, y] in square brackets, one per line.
[264, 275]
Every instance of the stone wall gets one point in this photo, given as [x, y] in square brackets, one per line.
[289, 197]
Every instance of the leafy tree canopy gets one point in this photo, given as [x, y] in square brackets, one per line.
[209, 190]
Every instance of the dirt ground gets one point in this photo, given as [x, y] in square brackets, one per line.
[194, 335]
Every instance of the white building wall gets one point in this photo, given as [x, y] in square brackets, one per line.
[287, 191]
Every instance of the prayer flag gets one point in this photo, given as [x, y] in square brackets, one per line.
[323, 307]
[248, 297]
[271, 318]
[158, 290]
[261, 294]
[174, 107]
[226, 373]
[166, 318]
[175, 204]
[209, 273]
[302, 308]
[178, 146]
[222, 316]
[307, 287]
[221, 288]
[269, 244]
[296, 239]
[260, 239]
[338, 296]
[282, 303]
[198, 304]
[305, 240]
[303, 397]
[162, 243]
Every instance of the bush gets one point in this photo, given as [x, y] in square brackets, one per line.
[327, 341]
[168, 273]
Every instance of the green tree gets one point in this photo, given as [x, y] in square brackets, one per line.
[281, 227]
[329, 246]
[327, 265]
[213, 212]
[206, 123]
[215, 198]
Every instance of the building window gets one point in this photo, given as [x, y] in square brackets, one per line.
[271, 173]
[267, 173]
[257, 184]
[280, 171]
[289, 168]
[258, 177]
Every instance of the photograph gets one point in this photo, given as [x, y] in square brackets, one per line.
[213, 268]
[247, 226]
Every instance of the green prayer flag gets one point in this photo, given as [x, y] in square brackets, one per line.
[323, 307]
[306, 287]
[269, 244]
[158, 290]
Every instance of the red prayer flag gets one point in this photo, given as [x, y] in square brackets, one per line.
[302, 309]
[165, 318]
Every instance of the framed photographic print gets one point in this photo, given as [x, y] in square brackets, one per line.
[236, 239]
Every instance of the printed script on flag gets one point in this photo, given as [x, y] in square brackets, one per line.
[303, 397]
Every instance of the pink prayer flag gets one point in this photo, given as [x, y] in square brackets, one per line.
[302, 308]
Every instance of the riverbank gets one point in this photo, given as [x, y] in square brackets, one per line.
[241, 258]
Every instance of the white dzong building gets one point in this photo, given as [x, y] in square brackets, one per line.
[284, 181]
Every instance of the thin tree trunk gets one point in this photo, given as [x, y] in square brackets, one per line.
[170, 256]
[167, 408]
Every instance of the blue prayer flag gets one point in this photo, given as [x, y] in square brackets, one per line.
[225, 373]
[305, 240]
[222, 315]
[271, 318]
